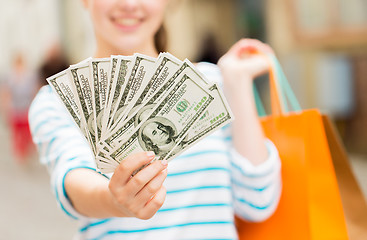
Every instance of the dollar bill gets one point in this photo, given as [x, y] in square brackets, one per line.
[169, 121]
[100, 72]
[106, 165]
[214, 117]
[113, 66]
[80, 75]
[166, 67]
[65, 89]
[141, 73]
[119, 75]
[114, 61]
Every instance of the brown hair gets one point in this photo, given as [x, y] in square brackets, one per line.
[160, 39]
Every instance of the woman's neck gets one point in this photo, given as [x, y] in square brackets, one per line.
[104, 50]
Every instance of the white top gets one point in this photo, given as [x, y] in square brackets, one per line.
[206, 185]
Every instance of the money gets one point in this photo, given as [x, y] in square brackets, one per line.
[128, 104]
[80, 75]
[167, 122]
[120, 67]
[65, 89]
[140, 74]
[167, 71]
[62, 85]
[100, 72]
[214, 117]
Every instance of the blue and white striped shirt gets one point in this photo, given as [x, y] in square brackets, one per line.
[206, 185]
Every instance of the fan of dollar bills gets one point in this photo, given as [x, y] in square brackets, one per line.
[129, 104]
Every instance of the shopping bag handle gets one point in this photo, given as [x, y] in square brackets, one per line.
[280, 91]
[285, 88]
[277, 104]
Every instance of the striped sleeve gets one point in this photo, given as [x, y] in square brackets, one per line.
[256, 189]
[60, 144]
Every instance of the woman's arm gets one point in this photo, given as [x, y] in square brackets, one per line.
[139, 196]
[239, 66]
[79, 189]
[256, 179]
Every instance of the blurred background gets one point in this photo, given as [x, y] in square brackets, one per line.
[322, 45]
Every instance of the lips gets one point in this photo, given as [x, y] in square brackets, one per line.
[127, 22]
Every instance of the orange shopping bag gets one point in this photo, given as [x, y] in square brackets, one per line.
[354, 203]
[310, 206]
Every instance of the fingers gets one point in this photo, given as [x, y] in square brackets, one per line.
[153, 205]
[130, 195]
[259, 65]
[147, 193]
[127, 166]
[151, 188]
[145, 176]
[250, 46]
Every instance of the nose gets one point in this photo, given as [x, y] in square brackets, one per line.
[128, 5]
[159, 131]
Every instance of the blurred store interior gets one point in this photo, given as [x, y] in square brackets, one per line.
[321, 44]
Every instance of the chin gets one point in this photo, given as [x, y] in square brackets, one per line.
[129, 44]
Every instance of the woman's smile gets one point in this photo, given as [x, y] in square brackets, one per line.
[127, 23]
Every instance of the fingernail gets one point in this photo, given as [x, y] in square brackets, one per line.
[164, 162]
[150, 154]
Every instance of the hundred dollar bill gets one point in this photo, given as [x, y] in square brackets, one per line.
[113, 65]
[84, 88]
[105, 165]
[114, 61]
[63, 86]
[104, 162]
[166, 67]
[187, 68]
[214, 117]
[121, 67]
[100, 72]
[169, 120]
[141, 73]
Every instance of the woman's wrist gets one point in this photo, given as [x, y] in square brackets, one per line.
[112, 208]
[90, 195]
[239, 91]
[106, 200]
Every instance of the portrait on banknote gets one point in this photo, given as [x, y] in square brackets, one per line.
[158, 134]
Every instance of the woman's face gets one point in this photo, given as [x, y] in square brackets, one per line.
[126, 24]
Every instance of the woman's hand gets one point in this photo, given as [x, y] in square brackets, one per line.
[143, 194]
[242, 63]
[139, 196]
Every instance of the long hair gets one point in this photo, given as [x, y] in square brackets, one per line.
[160, 39]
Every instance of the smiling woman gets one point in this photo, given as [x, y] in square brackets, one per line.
[234, 171]
[126, 26]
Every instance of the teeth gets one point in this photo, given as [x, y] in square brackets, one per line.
[127, 21]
